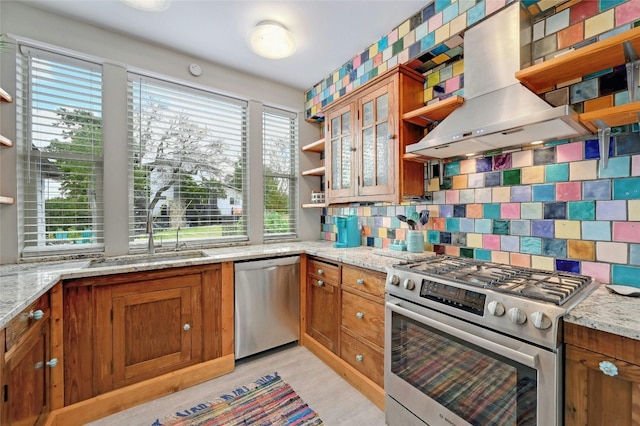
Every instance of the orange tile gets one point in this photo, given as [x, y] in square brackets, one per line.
[400, 234]
[459, 182]
[474, 211]
[598, 103]
[367, 231]
[580, 249]
[571, 35]
[519, 259]
[452, 250]
[439, 224]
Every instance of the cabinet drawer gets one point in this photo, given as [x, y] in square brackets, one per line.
[363, 317]
[364, 358]
[26, 319]
[363, 280]
[324, 271]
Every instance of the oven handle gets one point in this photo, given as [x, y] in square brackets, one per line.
[525, 359]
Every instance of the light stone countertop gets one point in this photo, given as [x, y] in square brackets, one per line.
[21, 284]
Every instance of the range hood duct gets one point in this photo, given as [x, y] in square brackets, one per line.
[498, 111]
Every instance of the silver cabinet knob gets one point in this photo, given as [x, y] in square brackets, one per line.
[608, 368]
[359, 358]
[52, 363]
[36, 315]
[495, 308]
[360, 315]
[320, 283]
[186, 327]
[360, 281]
[320, 271]
[540, 320]
[517, 316]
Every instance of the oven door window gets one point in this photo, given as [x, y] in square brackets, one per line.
[479, 386]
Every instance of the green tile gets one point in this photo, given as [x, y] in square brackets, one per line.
[501, 227]
[556, 172]
[397, 47]
[452, 169]
[626, 189]
[511, 177]
[581, 210]
[491, 211]
[466, 252]
[453, 224]
[626, 275]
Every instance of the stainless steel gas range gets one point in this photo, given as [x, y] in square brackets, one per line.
[469, 342]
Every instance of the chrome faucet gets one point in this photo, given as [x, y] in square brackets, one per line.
[151, 248]
[178, 245]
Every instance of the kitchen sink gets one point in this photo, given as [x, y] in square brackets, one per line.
[147, 258]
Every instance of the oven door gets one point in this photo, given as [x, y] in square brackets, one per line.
[445, 371]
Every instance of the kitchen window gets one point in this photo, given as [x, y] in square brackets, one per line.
[187, 164]
[280, 163]
[59, 127]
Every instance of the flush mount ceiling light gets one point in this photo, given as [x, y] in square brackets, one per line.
[272, 40]
[148, 5]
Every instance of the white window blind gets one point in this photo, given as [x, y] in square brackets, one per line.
[280, 162]
[59, 110]
[187, 164]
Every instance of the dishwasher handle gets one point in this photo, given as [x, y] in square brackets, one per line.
[266, 263]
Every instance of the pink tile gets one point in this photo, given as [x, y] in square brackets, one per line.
[377, 60]
[627, 12]
[391, 38]
[599, 271]
[492, 6]
[582, 10]
[568, 191]
[510, 211]
[491, 242]
[435, 22]
[452, 197]
[569, 152]
[357, 61]
[452, 84]
[635, 165]
[626, 231]
[332, 89]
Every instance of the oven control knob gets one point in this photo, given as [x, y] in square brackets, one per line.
[409, 284]
[540, 320]
[517, 316]
[495, 308]
[393, 280]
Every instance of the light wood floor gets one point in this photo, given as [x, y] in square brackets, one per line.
[336, 401]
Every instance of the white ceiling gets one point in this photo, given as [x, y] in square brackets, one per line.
[328, 32]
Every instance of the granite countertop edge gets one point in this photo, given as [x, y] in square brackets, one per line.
[22, 284]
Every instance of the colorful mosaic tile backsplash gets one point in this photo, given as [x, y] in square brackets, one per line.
[553, 208]
[430, 41]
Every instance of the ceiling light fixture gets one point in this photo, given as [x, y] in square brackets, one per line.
[148, 5]
[272, 40]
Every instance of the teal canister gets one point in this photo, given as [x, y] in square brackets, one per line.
[348, 231]
[415, 241]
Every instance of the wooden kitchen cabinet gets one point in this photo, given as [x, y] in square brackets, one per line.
[126, 328]
[366, 140]
[602, 378]
[323, 303]
[26, 366]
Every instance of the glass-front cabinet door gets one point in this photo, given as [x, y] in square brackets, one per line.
[377, 135]
[341, 178]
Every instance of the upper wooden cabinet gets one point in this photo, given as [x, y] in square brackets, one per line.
[597, 56]
[366, 139]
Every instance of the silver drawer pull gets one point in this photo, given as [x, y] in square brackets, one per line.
[608, 368]
[359, 358]
[53, 362]
[360, 315]
[360, 281]
[320, 283]
[320, 271]
[36, 315]
[186, 327]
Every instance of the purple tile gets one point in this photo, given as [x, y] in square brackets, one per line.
[502, 161]
[484, 164]
[521, 193]
[446, 210]
[509, 243]
[611, 210]
[542, 228]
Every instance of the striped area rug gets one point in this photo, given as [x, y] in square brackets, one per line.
[267, 401]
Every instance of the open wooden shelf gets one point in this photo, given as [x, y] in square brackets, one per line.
[614, 116]
[4, 96]
[314, 205]
[595, 57]
[318, 171]
[317, 146]
[6, 200]
[434, 112]
[5, 141]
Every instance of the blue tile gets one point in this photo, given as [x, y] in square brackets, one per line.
[492, 179]
[626, 189]
[555, 210]
[554, 247]
[459, 210]
[531, 245]
[521, 227]
[484, 164]
[452, 169]
[491, 211]
[634, 254]
[370, 242]
[467, 225]
[521, 193]
[628, 144]
[453, 224]
[475, 14]
[450, 13]
[596, 190]
[581, 210]
[482, 254]
[583, 91]
[442, 4]
[608, 4]
[428, 41]
[626, 275]
[556, 172]
[484, 226]
[445, 237]
[428, 11]
[446, 210]
[433, 237]
[616, 168]
[599, 230]
[592, 149]
[544, 192]
[572, 266]
[542, 228]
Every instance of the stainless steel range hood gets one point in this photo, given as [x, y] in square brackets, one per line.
[498, 112]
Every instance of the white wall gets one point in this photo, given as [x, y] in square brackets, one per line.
[122, 53]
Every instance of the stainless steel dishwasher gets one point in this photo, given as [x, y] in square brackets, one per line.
[267, 304]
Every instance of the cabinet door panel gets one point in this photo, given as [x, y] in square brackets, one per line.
[323, 307]
[340, 153]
